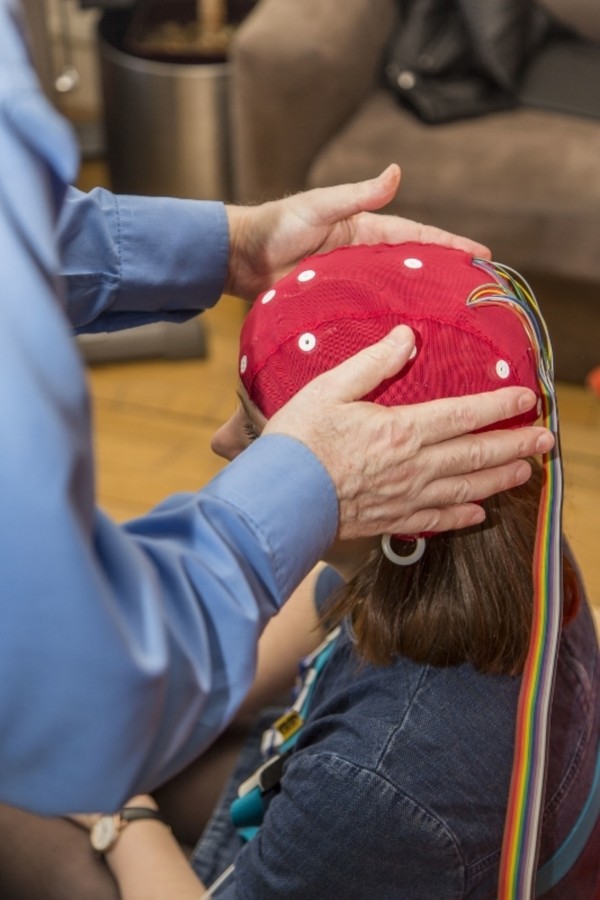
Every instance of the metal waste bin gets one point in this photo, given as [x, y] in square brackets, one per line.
[166, 123]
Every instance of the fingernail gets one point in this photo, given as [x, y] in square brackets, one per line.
[523, 473]
[402, 336]
[526, 401]
[544, 443]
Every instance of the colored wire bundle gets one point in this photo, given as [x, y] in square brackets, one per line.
[520, 846]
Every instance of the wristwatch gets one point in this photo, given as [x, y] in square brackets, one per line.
[106, 829]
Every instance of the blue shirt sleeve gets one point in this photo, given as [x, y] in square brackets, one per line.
[133, 260]
[124, 650]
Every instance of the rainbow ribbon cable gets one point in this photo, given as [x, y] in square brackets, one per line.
[520, 846]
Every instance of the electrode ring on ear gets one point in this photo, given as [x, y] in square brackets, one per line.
[409, 559]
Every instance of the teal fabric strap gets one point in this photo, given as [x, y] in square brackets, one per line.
[555, 869]
[247, 810]
[318, 666]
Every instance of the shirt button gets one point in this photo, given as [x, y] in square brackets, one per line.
[406, 80]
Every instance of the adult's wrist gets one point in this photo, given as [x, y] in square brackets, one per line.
[236, 282]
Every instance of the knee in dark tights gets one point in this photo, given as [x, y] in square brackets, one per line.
[49, 859]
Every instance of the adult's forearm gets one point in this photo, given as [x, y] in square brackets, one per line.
[133, 646]
[132, 260]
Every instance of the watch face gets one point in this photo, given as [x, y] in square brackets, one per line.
[104, 833]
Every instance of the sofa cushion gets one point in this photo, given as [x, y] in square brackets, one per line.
[564, 76]
[533, 176]
[581, 16]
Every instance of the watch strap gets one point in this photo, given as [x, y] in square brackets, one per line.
[105, 832]
[131, 813]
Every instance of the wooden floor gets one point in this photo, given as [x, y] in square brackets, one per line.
[154, 421]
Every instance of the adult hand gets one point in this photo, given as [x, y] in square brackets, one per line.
[411, 469]
[267, 241]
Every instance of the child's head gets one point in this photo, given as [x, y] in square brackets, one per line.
[335, 304]
[470, 597]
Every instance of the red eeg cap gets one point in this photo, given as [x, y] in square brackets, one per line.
[333, 305]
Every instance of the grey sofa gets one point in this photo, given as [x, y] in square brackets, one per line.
[309, 108]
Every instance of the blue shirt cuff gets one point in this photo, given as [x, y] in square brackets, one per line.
[281, 487]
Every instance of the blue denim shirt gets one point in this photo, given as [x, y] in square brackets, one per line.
[398, 784]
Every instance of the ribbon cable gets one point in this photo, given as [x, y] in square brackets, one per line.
[522, 826]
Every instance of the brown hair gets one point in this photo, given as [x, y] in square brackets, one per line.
[469, 598]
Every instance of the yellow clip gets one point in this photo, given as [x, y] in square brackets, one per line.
[288, 724]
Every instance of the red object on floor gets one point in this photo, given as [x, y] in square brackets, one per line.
[593, 381]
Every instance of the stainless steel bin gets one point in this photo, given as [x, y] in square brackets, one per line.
[166, 123]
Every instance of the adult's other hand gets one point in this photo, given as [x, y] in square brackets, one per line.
[268, 240]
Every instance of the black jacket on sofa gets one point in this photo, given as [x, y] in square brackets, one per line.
[452, 59]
